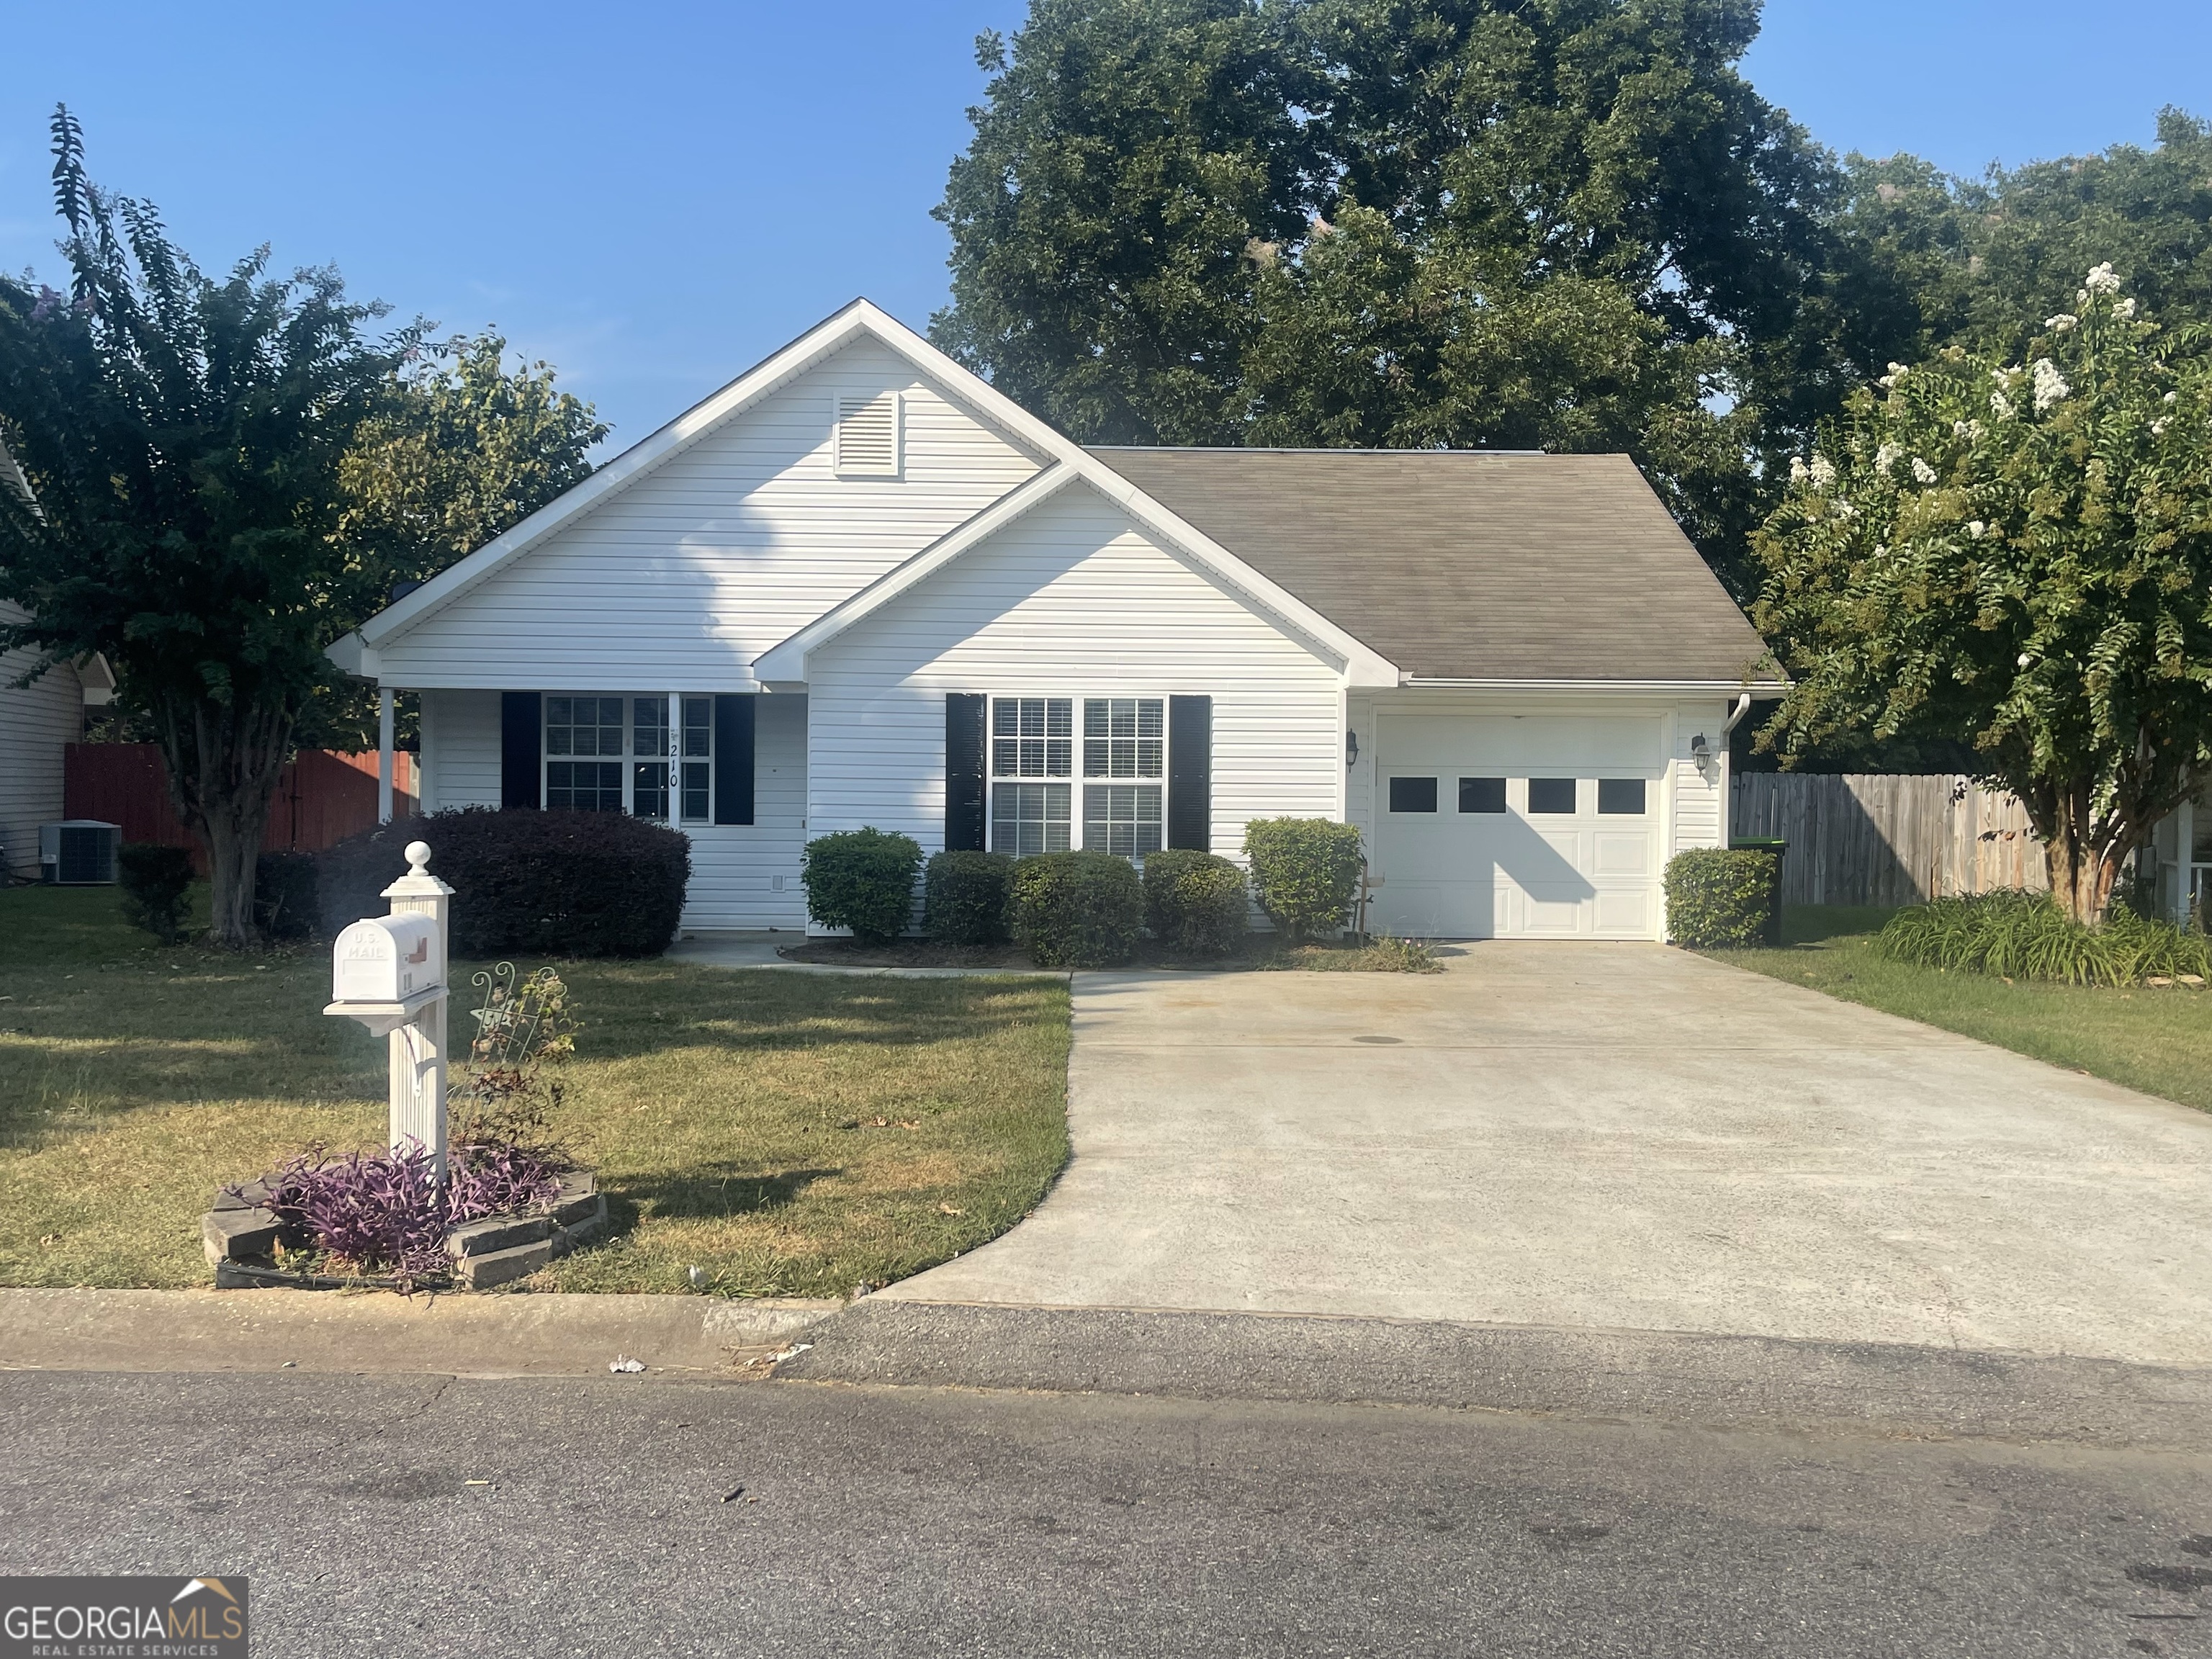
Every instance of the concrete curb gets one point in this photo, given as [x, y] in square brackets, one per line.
[375, 1331]
[1887, 1390]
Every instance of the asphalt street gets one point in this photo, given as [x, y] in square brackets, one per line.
[398, 1515]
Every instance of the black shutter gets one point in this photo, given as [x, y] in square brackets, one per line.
[733, 758]
[964, 771]
[521, 730]
[1190, 773]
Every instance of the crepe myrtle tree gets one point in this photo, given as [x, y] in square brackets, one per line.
[2019, 557]
[180, 439]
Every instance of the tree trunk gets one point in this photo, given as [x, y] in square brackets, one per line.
[224, 765]
[2082, 874]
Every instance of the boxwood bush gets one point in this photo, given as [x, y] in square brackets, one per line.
[1720, 897]
[1194, 902]
[157, 883]
[862, 880]
[1077, 909]
[1305, 874]
[964, 897]
[526, 882]
[284, 903]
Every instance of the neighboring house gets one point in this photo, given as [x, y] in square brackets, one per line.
[38, 721]
[859, 587]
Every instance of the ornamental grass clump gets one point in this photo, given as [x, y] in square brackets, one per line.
[2018, 935]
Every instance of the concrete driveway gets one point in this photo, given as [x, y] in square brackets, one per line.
[1619, 1136]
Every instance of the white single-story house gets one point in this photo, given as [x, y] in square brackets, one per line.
[859, 587]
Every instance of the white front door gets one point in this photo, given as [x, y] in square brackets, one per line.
[1535, 827]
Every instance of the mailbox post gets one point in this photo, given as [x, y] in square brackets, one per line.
[389, 973]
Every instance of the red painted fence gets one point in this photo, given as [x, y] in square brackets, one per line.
[322, 797]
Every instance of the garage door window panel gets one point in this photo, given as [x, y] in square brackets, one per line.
[1552, 797]
[1482, 794]
[1412, 794]
[1620, 797]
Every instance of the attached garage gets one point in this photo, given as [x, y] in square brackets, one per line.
[1519, 826]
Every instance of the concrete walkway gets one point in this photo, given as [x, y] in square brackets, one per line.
[1622, 1137]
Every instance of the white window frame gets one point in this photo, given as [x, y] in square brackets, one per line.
[1043, 778]
[1077, 779]
[675, 756]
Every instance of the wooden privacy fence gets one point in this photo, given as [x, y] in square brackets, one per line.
[1869, 839]
[321, 798]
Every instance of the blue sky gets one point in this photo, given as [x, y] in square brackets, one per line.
[654, 197]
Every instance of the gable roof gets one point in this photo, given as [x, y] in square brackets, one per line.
[356, 653]
[1470, 565]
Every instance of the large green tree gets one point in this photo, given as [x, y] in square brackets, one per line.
[183, 436]
[1921, 260]
[2019, 558]
[225, 475]
[1566, 224]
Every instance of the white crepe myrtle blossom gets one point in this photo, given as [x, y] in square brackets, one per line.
[2050, 386]
[2102, 280]
[1922, 471]
[1797, 472]
[1969, 430]
[1896, 373]
[1886, 457]
[2000, 405]
[2061, 322]
[1823, 472]
[1976, 529]
[2158, 428]
[2124, 309]
[2024, 659]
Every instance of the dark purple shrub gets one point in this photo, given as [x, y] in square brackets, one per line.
[376, 1212]
[492, 1177]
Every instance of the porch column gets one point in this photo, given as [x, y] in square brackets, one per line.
[383, 754]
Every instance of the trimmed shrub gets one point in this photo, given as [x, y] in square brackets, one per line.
[1305, 874]
[157, 883]
[526, 882]
[284, 903]
[964, 897]
[1194, 902]
[863, 880]
[1077, 909]
[2028, 936]
[1720, 898]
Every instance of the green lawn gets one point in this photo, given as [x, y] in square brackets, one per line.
[2157, 1040]
[791, 1134]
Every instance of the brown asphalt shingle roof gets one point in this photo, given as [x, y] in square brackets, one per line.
[1465, 565]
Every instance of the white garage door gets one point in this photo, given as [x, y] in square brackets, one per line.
[1540, 827]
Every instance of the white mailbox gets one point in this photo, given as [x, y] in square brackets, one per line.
[388, 959]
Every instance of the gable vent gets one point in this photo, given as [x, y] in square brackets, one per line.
[868, 437]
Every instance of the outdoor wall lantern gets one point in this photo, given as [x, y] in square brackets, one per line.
[1352, 748]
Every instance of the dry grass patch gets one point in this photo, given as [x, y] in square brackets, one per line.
[715, 1104]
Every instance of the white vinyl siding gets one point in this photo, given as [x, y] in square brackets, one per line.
[461, 749]
[1068, 601]
[701, 564]
[36, 722]
[746, 875]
